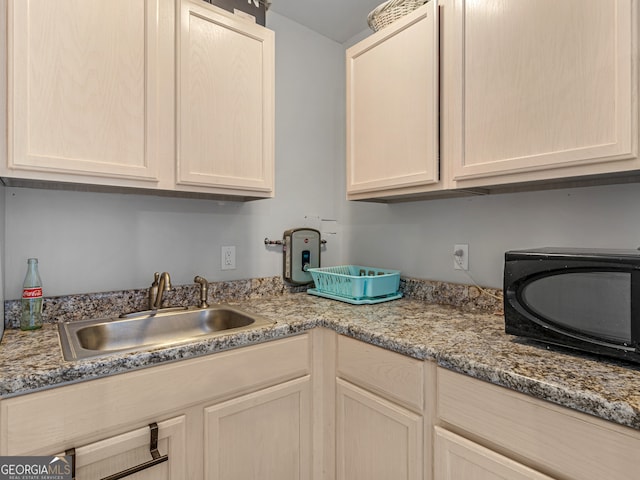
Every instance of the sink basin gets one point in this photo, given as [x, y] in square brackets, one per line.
[102, 336]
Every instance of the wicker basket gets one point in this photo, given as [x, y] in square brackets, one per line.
[388, 12]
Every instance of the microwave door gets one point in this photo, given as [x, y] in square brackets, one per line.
[593, 304]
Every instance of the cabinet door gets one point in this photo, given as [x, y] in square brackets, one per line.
[85, 90]
[539, 89]
[264, 435]
[392, 109]
[375, 439]
[456, 458]
[115, 454]
[225, 122]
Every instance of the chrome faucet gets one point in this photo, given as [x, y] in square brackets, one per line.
[161, 283]
[204, 288]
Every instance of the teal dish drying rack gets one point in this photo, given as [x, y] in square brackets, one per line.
[356, 284]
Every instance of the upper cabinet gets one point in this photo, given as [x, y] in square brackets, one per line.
[225, 124]
[392, 109]
[152, 94]
[84, 91]
[530, 91]
[536, 90]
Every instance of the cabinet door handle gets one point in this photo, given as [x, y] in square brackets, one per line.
[72, 453]
[155, 460]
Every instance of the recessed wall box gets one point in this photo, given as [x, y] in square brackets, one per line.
[301, 252]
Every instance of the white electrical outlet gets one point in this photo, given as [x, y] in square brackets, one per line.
[228, 258]
[461, 257]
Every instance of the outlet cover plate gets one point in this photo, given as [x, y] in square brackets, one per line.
[228, 258]
[461, 262]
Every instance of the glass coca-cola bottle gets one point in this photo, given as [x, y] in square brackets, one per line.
[31, 318]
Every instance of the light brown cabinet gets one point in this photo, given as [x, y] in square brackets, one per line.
[379, 413]
[457, 458]
[247, 408]
[132, 449]
[316, 406]
[266, 435]
[395, 413]
[375, 438]
[392, 109]
[533, 90]
[529, 92]
[157, 95]
[86, 87]
[517, 433]
[225, 103]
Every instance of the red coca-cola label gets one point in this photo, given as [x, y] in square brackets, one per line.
[32, 292]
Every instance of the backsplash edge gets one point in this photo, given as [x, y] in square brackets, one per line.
[75, 307]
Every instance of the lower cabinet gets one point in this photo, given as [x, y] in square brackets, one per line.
[239, 414]
[401, 418]
[132, 450]
[379, 413]
[515, 430]
[318, 406]
[456, 458]
[375, 438]
[264, 435]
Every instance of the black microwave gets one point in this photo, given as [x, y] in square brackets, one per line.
[585, 299]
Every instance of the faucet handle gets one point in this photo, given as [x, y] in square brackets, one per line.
[204, 289]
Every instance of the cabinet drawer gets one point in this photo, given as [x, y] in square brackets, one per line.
[126, 450]
[456, 457]
[392, 375]
[55, 419]
[558, 441]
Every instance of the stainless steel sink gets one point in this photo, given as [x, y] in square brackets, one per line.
[102, 336]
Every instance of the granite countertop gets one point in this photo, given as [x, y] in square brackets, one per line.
[468, 342]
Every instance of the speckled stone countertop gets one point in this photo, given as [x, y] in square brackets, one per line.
[465, 341]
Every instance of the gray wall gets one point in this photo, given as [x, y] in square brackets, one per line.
[89, 242]
[418, 237]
